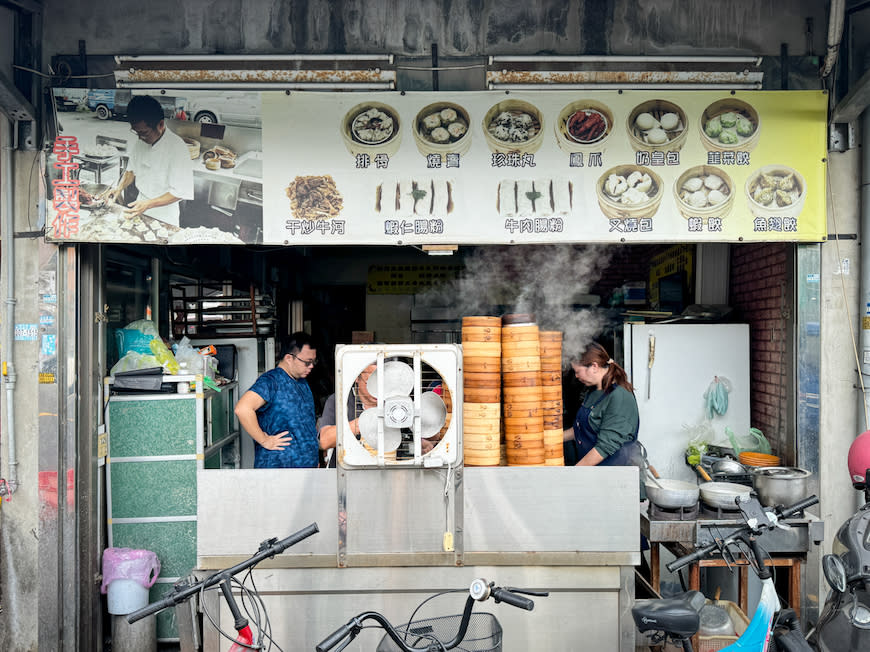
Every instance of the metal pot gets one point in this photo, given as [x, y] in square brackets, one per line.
[671, 494]
[780, 485]
[722, 494]
[728, 466]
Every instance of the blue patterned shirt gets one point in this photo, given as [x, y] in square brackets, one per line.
[289, 406]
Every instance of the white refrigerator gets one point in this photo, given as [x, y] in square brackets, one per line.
[670, 386]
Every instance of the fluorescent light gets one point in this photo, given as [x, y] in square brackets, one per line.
[617, 86]
[591, 58]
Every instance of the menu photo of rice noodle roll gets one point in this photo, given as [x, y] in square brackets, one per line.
[414, 197]
[535, 197]
[314, 198]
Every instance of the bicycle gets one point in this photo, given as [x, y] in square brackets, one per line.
[430, 631]
[255, 610]
[677, 619]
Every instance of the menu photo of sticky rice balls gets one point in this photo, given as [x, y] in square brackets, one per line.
[776, 191]
[704, 191]
[657, 125]
[314, 197]
[371, 128]
[535, 197]
[514, 126]
[405, 198]
[442, 128]
[629, 191]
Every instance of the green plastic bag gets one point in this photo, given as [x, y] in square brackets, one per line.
[754, 442]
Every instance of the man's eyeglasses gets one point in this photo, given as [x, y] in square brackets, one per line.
[307, 363]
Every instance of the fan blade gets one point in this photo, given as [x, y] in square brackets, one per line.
[433, 414]
[398, 379]
[368, 428]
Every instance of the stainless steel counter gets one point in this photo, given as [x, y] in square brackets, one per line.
[571, 531]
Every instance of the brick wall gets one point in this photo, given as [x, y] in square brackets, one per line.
[761, 294]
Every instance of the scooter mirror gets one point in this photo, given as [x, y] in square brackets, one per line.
[835, 572]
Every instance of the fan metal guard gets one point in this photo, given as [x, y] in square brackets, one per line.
[407, 382]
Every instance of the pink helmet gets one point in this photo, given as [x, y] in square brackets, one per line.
[859, 459]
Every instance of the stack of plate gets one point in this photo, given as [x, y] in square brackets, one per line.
[551, 399]
[523, 392]
[749, 458]
[481, 379]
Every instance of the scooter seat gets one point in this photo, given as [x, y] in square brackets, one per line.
[679, 615]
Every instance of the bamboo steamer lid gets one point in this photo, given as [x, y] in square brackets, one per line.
[480, 410]
[482, 426]
[521, 379]
[551, 336]
[522, 394]
[481, 442]
[551, 377]
[549, 410]
[481, 321]
[514, 318]
[524, 427]
[481, 364]
[552, 422]
[551, 392]
[482, 458]
[491, 379]
[526, 333]
[520, 410]
[481, 334]
[482, 395]
[526, 363]
[481, 349]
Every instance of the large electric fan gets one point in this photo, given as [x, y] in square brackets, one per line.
[406, 402]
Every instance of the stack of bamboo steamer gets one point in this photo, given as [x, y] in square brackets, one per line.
[481, 379]
[523, 392]
[551, 390]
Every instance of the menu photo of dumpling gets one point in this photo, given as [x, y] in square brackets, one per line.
[535, 197]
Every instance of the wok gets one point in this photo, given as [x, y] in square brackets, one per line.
[672, 494]
[722, 494]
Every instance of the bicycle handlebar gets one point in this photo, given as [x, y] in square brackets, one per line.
[779, 512]
[500, 594]
[268, 549]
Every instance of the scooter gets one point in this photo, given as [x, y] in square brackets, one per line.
[844, 624]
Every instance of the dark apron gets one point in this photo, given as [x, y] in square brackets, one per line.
[586, 439]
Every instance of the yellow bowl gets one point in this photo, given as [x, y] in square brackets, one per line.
[657, 108]
[730, 105]
[615, 209]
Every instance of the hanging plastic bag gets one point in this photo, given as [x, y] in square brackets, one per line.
[700, 436]
[716, 396]
[754, 441]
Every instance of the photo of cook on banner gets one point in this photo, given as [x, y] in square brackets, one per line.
[159, 167]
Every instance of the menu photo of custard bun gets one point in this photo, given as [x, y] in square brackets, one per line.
[535, 197]
[426, 197]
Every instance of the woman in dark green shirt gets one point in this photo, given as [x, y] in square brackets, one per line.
[607, 422]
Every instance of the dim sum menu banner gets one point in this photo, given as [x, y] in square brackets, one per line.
[467, 168]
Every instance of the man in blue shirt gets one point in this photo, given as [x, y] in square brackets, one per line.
[278, 410]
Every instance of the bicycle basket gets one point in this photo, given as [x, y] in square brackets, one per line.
[483, 635]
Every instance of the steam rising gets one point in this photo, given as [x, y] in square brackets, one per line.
[545, 280]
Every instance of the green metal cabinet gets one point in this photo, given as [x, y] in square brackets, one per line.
[156, 444]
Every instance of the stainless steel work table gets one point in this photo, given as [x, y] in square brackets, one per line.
[793, 549]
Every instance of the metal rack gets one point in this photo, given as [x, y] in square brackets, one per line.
[215, 310]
